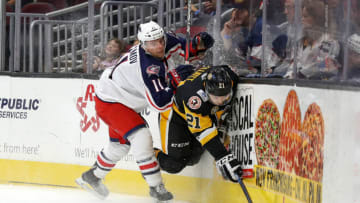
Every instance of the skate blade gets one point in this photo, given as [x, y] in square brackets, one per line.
[165, 201]
[86, 187]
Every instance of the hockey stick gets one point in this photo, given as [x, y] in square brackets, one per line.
[243, 187]
[188, 24]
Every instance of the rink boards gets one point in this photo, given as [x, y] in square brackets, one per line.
[50, 134]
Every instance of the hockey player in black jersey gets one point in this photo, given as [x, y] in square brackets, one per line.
[190, 126]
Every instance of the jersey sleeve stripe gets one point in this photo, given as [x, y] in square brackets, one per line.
[207, 135]
[164, 129]
[174, 50]
[167, 106]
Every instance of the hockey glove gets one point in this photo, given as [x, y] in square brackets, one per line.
[178, 74]
[229, 167]
[201, 42]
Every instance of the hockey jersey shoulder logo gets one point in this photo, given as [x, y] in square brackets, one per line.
[153, 70]
[194, 102]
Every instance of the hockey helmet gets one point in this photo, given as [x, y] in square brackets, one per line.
[149, 31]
[218, 81]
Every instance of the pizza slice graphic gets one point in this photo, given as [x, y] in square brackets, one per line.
[267, 134]
[290, 138]
[312, 148]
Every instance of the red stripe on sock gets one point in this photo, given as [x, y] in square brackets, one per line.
[104, 163]
[147, 166]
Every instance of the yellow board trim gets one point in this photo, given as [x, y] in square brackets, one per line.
[190, 189]
[119, 181]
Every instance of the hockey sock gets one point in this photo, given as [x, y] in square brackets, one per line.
[142, 149]
[107, 158]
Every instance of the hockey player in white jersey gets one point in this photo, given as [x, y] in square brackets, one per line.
[145, 76]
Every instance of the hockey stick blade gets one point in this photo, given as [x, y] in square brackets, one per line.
[243, 187]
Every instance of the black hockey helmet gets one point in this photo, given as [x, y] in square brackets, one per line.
[218, 81]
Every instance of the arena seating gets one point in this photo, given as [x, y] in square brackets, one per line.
[38, 7]
[59, 4]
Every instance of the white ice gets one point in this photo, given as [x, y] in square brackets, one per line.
[45, 194]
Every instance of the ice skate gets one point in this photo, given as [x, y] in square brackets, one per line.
[92, 184]
[160, 194]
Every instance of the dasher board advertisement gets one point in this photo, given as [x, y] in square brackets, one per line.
[54, 120]
[295, 139]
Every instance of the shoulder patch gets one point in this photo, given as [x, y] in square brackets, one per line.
[203, 95]
[194, 102]
[153, 70]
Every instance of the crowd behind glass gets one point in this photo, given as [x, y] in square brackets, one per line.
[304, 39]
[294, 39]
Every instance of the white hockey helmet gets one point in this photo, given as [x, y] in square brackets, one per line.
[149, 31]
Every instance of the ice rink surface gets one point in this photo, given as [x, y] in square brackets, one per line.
[45, 194]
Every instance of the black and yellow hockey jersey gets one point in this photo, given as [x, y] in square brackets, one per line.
[193, 105]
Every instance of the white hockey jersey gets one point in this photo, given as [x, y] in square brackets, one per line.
[140, 80]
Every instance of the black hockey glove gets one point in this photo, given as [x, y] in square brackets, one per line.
[201, 42]
[229, 167]
[178, 74]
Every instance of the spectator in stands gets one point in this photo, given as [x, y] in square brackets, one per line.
[335, 12]
[354, 16]
[290, 28]
[274, 16]
[354, 57]
[289, 33]
[205, 15]
[235, 32]
[252, 47]
[317, 55]
[111, 55]
[208, 7]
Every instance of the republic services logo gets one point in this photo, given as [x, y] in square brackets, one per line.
[18, 108]
[87, 120]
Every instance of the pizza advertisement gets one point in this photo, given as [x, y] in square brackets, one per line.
[289, 145]
[301, 142]
[290, 138]
[267, 134]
